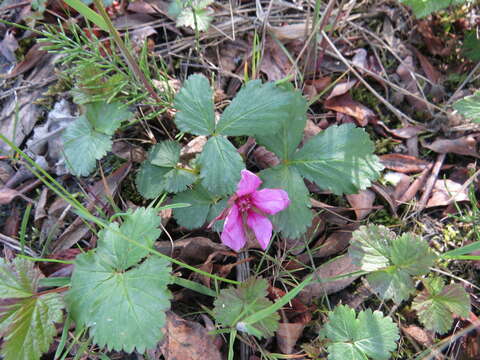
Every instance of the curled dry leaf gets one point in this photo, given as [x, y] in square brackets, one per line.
[290, 32]
[434, 44]
[362, 203]
[193, 147]
[275, 62]
[335, 243]
[194, 250]
[129, 152]
[322, 286]
[184, 339]
[418, 334]
[403, 163]
[342, 88]
[32, 58]
[287, 336]
[466, 145]
[346, 105]
[264, 158]
[445, 192]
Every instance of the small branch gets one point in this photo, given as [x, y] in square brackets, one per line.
[431, 182]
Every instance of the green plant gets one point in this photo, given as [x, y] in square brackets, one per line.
[422, 8]
[191, 13]
[469, 106]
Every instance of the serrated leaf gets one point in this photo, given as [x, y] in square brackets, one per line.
[177, 180]
[107, 118]
[339, 159]
[203, 207]
[149, 180]
[220, 166]
[83, 146]
[165, 154]
[370, 335]
[32, 328]
[295, 219]
[257, 109]
[27, 319]
[195, 18]
[194, 103]
[437, 304]
[286, 140]
[124, 310]
[471, 46]
[142, 225]
[234, 305]
[392, 260]
[422, 8]
[469, 106]
[18, 279]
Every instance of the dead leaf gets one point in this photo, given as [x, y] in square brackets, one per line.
[466, 145]
[362, 203]
[403, 163]
[275, 62]
[32, 58]
[264, 158]
[320, 84]
[40, 212]
[128, 151]
[432, 74]
[335, 243]
[287, 336]
[445, 192]
[346, 105]
[360, 59]
[8, 46]
[187, 340]
[434, 44]
[311, 129]
[194, 250]
[418, 334]
[290, 32]
[12, 223]
[342, 88]
[6, 171]
[322, 286]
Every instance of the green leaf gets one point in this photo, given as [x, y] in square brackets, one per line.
[177, 180]
[194, 103]
[220, 166]
[422, 8]
[165, 153]
[297, 217]
[469, 106]
[27, 320]
[186, 11]
[141, 226]
[370, 335]
[286, 140]
[392, 260]
[107, 118]
[122, 300]
[339, 159]
[149, 180]
[437, 304]
[124, 310]
[471, 46]
[234, 305]
[83, 145]
[257, 109]
[203, 207]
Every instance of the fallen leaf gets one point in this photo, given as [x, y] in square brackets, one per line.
[287, 336]
[290, 32]
[8, 46]
[403, 163]
[466, 145]
[362, 203]
[187, 340]
[264, 158]
[193, 250]
[346, 105]
[342, 88]
[193, 147]
[32, 58]
[129, 152]
[322, 286]
[445, 192]
[432, 74]
[434, 44]
[275, 62]
[335, 243]
[418, 334]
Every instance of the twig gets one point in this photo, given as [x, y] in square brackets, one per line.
[431, 182]
[462, 85]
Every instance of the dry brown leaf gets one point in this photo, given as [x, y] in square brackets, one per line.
[445, 192]
[264, 158]
[275, 62]
[418, 334]
[346, 105]
[466, 145]
[290, 32]
[287, 336]
[432, 74]
[32, 58]
[187, 340]
[8, 46]
[129, 152]
[193, 147]
[322, 287]
[362, 203]
[335, 243]
[403, 163]
[434, 44]
[194, 250]
[342, 88]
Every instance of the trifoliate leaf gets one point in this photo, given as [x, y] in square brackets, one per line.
[83, 146]
[257, 109]
[177, 180]
[107, 118]
[437, 304]
[122, 301]
[203, 207]
[339, 159]
[125, 310]
[220, 166]
[141, 226]
[297, 217]
[32, 328]
[149, 180]
[392, 260]
[234, 305]
[469, 106]
[286, 140]
[422, 8]
[370, 335]
[471, 46]
[185, 10]
[27, 319]
[165, 153]
[194, 103]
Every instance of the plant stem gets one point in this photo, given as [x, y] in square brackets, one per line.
[243, 272]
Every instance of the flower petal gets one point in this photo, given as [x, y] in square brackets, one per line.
[233, 234]
[248, 183]
[261, 226]
[270, 201]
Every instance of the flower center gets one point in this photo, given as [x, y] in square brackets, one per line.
[244, 203]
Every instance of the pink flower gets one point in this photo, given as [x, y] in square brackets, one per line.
[249, 207]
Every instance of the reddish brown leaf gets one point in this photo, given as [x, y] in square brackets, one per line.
[34, 55]
[264, 158]
[418, 334]
[466, 145]
[346, 105]
[445, 192]
[342, 88]
[432, 74]
[362, 203]
[335, 243]
[403, 163]
[275, 62]
[287, 336]
[434, 44]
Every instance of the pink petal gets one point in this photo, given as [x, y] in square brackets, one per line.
[261, 226]
[233, 234]
[248, 183]
[270, 201]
